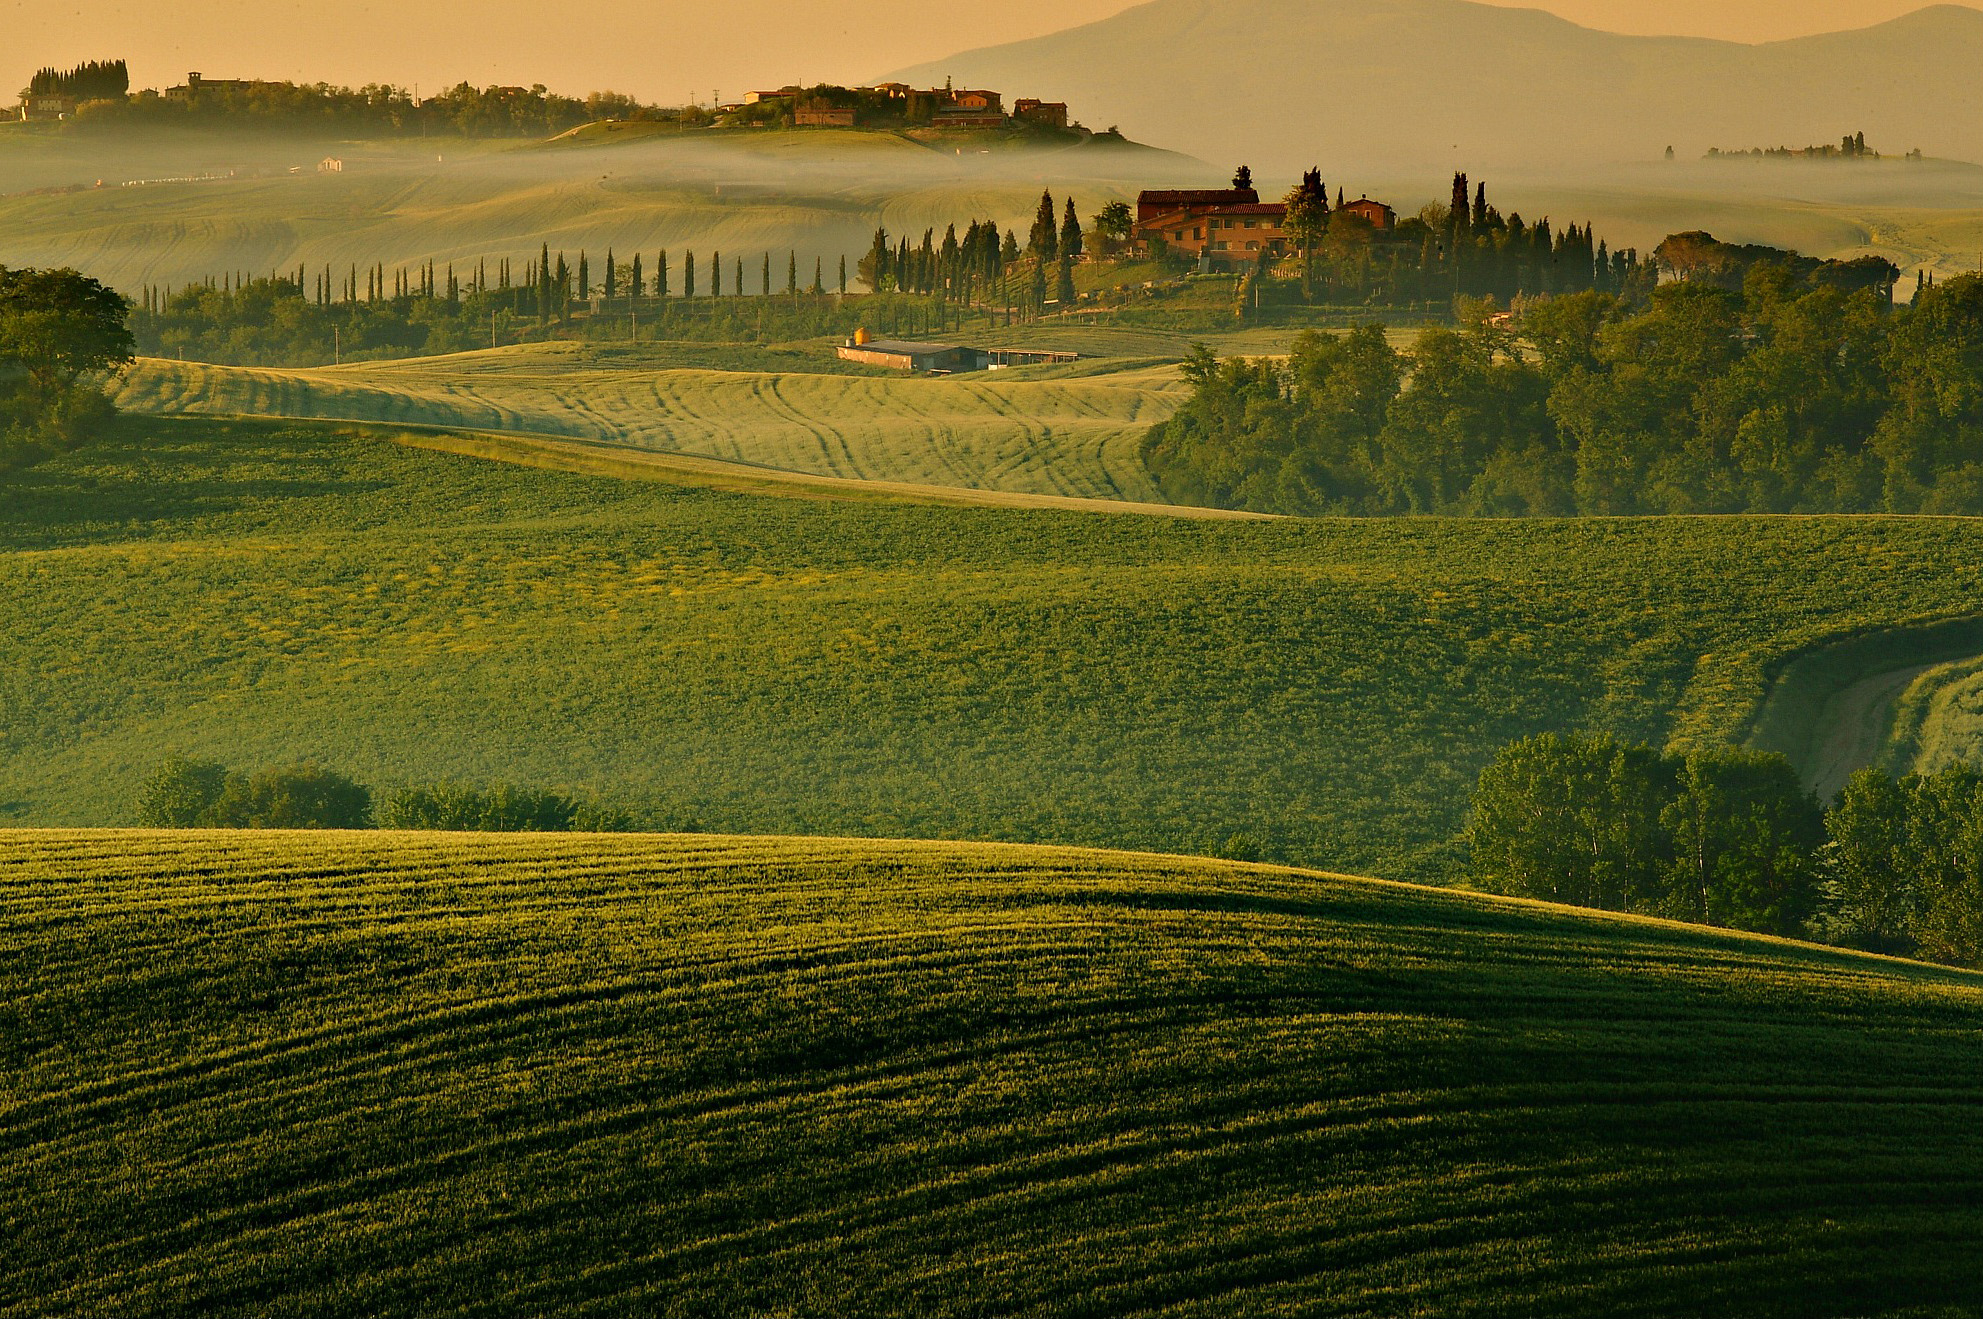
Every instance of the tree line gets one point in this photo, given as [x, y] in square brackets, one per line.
[374, 110]
[60, 334]
[204, 794]
[304, 318]
[93, 80]
[985, 267]
[1791, 395]
[1732, 838]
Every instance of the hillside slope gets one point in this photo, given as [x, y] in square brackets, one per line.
[994, 432]
[1375, 85]
[384, 1075]
[1314, 691]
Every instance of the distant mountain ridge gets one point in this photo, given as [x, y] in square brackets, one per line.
[1384, 84]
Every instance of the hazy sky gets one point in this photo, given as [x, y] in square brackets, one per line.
[664, 50]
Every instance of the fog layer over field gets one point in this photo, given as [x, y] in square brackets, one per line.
[204, 204]
[266, 206]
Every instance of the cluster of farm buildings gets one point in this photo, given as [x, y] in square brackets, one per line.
[937, 107]
[1231, 226]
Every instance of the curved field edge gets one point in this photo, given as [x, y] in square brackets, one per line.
[1862, 699]
[364, 1074]
[550, 453]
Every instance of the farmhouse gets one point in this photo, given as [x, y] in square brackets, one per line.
[1194, 201]
[825, 116]
[1381, 217]
[1229, 235]
[44, 108]
[906, 355]
[956, 117]
[195, 84]
[1049, 114]
[941, 358]
[1229, 226]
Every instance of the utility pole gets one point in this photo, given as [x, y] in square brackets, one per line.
[337, 347]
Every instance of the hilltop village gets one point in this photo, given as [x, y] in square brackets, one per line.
[894, 105]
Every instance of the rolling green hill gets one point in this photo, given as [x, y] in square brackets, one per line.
[811, 661]
[381, 1075]
[1029, 431]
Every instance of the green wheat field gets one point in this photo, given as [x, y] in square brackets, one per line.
[318, 1074]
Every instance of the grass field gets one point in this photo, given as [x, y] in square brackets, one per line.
[1322, 692]
[381, 1075]
[1065, 434]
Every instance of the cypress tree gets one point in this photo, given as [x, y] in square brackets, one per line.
[792, 273]
[764, 277]
[843, 274]
[877, 261]
[1044, 242]
[1070, 232]
[584, 275]
[688, 274]
[1480, 206]
[612, 275]
[737, 289]
[1064, 287]
[661, 274]
[637, 284]
[716, 275]
[818, 276]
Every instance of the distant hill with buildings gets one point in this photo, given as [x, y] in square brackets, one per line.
[1411, 84]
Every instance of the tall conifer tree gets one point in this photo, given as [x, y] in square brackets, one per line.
[1043, 243]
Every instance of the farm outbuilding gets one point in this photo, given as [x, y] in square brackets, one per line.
[906, 355]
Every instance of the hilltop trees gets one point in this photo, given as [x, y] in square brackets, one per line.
[371, 111]
[97, 80]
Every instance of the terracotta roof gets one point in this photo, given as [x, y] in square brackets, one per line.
[1274, 209]
[1181, 198]
[904, 347]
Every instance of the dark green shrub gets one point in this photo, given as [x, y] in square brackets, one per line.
[181, 794]
[501, 808]
[301, 796]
